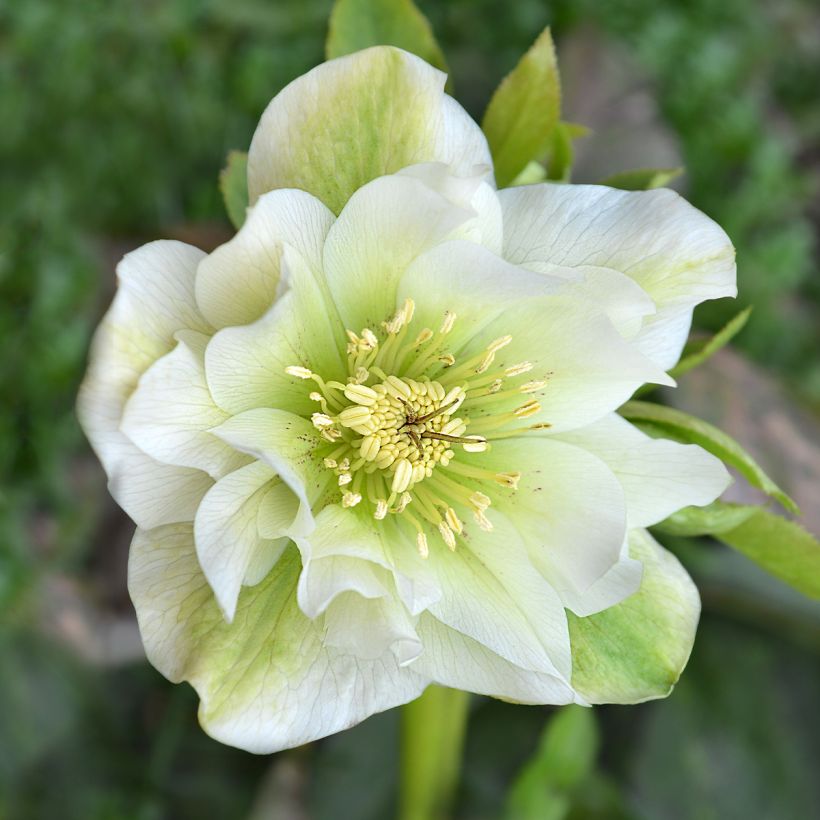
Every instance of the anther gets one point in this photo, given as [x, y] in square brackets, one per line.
[447, 535]
[527, 409]
[345, 478]
[453, 520]
[518, 369]
[351, 499]
[421, 542]
[402, 476]
[361, 394]
[531, 387]
[299, 372]
[508, 480]
[321, 421]
[381, 510]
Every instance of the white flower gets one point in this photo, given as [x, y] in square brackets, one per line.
[372, 441]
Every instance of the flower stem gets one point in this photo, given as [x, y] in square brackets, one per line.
[432, 740]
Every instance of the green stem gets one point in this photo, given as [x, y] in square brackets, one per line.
[432, 740]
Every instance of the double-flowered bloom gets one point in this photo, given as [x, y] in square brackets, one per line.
[372, 442]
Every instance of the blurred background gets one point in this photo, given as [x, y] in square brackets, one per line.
[116, 119]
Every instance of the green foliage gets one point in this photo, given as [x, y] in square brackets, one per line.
[358, 24]
[233, 183]
[781, 547]
[565, 758]
[642, 179]
[681, 426]
[523, 111]
[696, 353]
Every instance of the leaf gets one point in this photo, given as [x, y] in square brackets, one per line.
[562, 155]
[642, 179]
[233, 183]
[636, 650]
[533, 172]
[683, 427]
[716, 517]
[781, 547]
[358, 24]
[523, 111]
[697, 353]
[564, 759]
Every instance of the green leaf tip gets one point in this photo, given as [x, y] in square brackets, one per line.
[359, 24]
[233, 183]
[524, 110]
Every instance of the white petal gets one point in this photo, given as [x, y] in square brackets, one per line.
[493, 594]
[266, 681]
[170, 413]
[239, 281]
[678, 255]
[381, 230]
[589, 368]
[245, 366]
[356, 118]
[569, 509]
[453, 659]
[155, 300]
[659, 477]
[287, 444]
[226, 532]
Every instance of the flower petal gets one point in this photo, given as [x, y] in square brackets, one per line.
[453, 659]
[245, 366]
[569, 509]
[287, 444]
[239, 281]
[381, 230]
[589, 368]
[170, 413]
[678, 255]
[659, 477]
[636, 651]
[266, 681]
[155, 300]
[226, 532]
[356, 118]
[493, 594]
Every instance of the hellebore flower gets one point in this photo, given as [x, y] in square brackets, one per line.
[371, 442]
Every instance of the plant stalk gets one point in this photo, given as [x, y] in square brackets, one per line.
[432, 742]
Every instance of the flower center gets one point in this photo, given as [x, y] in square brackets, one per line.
[398, 437]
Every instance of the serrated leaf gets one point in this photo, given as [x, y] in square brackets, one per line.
[688, 429]
[642, 179]
[697, 353]
[781, 547]
[233, 183]
[523, 111]
[564, 759]
[358, 24]
[714, 518]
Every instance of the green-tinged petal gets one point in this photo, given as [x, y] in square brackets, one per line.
[658, 476]
[523, 111]
[491, 592]
[384, 227]
[357, 118]
[226, 532]
[170, 414]
[358, 24]
[287, 444]
[636, 651]
[155, 300]
[239, 281]
[570, 511]
[266, 680]
[453, 659]
[245, 366]
[588, 368]
[678, 255]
